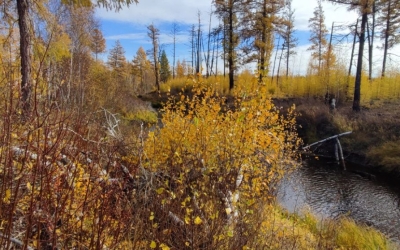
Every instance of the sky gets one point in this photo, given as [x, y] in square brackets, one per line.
[129, 26]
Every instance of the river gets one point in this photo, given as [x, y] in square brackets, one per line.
[330, 192]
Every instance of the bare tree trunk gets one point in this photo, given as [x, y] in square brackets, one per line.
[371, 41]
[198, 52]
[193, 46]
[328, 62]
[216, 56]
[25, 40]
[287, 59]
[357, 84]
[276, 55]
[174, 31]
[154, 34]
[263, 43]
[224, 49]
[386, 44]
[230, 49]
[208, 67]
[352, 50]
[279, 65]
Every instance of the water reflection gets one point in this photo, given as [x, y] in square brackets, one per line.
[330, 192]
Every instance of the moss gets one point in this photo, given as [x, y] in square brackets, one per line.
[146, 116]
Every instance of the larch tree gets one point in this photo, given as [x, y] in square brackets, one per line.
[390, 27]
[116, 59]
[229, 12]
[318, 37]
[154, 34]
[165, 71]
[180, 70]
[264, 22]
[98, 43]
[143, 70]
[287, 33]
[365, 8]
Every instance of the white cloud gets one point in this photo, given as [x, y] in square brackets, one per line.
[135, 19]
[159, 11]
[339, 14]
[185, 11]
[128, 36]
[165, 39]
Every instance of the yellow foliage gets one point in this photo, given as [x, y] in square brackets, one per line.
[153, 244]
[212, 149]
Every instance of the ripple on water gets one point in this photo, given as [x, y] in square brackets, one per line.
[330, 192]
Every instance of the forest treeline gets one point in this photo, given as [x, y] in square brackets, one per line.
[78, 171]
[57, 43]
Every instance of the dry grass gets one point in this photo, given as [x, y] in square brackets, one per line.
[282, 230]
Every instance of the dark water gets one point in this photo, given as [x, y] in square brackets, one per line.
[329, 192]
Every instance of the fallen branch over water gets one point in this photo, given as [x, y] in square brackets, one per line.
[327, 139]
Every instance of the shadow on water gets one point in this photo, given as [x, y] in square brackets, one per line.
[330, 192]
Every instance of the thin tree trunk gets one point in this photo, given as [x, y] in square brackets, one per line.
[174, 50]
[371, 42]
[216, 56]
[263, 43]
[287, 58]
[193, 47]
[198, 48]
[208, 67]
[357, 84]
[386, 44]
[224, 49]
[328, 63]
[279, 65]
[276, 55]
[212, 55]
[25, 40]
[352, 50]
[230, 48]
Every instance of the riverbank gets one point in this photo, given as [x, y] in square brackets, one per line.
[283, 230]
[375, 140]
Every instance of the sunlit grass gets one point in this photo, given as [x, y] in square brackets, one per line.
[335, 82]
[283, 230]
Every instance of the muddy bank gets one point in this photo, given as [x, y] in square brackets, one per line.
[374, 143]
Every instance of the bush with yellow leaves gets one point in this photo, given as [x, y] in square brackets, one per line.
[200, 180]
[215, 164]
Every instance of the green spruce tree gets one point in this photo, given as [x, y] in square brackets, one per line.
[165, 71]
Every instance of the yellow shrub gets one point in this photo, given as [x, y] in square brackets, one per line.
[220, 162]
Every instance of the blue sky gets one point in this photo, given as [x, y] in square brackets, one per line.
[129, 25]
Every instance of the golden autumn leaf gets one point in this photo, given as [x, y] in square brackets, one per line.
[164, 247]
[7, 196]
[153, 244]
[197, 220]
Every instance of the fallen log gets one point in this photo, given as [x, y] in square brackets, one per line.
[327, 139]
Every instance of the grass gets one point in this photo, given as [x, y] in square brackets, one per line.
[283, 230]
[146, 116]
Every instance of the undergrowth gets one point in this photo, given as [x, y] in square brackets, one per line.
[204, 178]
